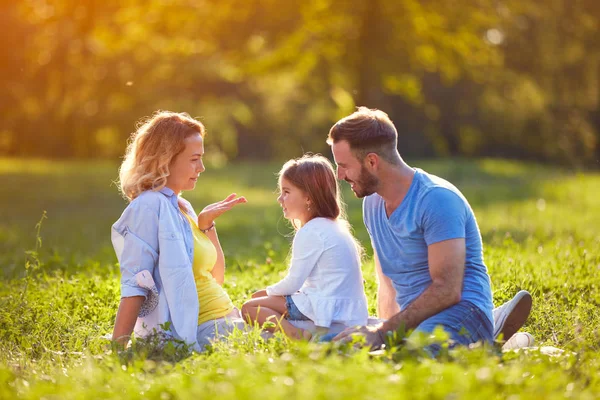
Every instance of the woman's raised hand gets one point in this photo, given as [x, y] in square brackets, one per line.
[212, 211]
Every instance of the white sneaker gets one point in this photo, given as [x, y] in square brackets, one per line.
[510, 316]
[518, 341]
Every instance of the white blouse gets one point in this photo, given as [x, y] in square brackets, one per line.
[324, 278]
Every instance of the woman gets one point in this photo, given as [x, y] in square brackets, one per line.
[172, 264]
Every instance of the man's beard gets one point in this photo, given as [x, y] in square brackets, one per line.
[365, 185]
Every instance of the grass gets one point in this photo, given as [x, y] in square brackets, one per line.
[58, 300]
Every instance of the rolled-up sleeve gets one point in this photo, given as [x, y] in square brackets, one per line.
[135, 239]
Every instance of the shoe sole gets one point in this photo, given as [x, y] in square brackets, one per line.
[517, 317]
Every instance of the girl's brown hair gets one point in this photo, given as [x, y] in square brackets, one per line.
[315, 176]
[151, 148]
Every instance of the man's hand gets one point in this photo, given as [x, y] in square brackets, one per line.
[374, 336]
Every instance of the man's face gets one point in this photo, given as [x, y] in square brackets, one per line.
[349, 168]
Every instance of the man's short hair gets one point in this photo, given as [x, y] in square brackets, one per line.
[367, 131]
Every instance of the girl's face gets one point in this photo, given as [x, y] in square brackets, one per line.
[187, 165]
[294, 202]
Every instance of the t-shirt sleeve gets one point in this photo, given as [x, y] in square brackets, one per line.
[367, 210]
[443, 216]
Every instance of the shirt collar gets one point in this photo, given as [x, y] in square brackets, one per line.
[167, 191]
[171, 195]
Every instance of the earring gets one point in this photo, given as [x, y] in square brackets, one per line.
[308, 207]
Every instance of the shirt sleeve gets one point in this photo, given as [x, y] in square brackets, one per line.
[306, 251]
[136, 241]
[444, 216]
[366, 209]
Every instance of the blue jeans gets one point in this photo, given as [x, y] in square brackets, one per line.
[293, 314]
[464, 322]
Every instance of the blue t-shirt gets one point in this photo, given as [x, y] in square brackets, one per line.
[432, 211]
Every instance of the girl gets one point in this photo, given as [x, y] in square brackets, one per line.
[324, 283]
[172, 264]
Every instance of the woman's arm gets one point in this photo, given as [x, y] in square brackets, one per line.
[126, 317]
[206, 218]
[218, 271]
[135, 237]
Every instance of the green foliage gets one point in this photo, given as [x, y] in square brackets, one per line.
[516, 78]
[539, 228]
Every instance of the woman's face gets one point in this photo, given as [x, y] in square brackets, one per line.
[293, 201]
[187, 165]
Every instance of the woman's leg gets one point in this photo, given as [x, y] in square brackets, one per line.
[219, 328]
[274, 309]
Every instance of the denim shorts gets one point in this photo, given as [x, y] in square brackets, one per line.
[293, 314]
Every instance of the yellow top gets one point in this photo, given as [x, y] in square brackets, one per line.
[214, 300]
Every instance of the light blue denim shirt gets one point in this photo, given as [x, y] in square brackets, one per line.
[155, 249]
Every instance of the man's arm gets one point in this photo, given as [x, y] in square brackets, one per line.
[446, 267]
[387, 306]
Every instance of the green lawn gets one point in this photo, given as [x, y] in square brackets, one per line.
[541, 233]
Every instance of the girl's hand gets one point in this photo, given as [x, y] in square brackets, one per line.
[211, 212]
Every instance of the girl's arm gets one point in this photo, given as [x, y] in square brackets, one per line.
[126, 317]
[306, 250]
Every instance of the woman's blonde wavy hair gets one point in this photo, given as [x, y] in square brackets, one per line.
[152, 147]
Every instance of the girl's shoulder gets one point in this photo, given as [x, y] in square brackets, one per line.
[318, 224]
[321, 229]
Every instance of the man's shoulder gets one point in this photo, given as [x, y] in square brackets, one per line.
[430, 181]
[434, 187]
[437, 195]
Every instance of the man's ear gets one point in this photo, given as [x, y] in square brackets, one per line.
[372, 161]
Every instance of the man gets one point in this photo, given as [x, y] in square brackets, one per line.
[426, 241]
